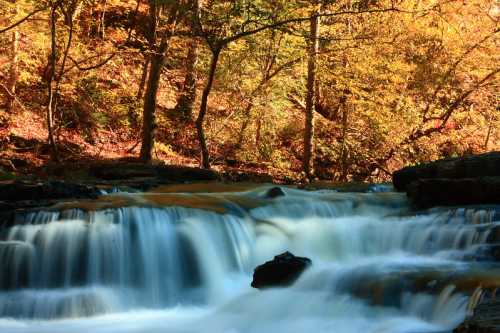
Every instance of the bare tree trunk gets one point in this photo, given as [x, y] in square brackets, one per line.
[187, 98]
[150, 101]
[308, 157]
[14, 64]
[343, 152]
[205, 156]
[102, 20]
[144, 77]
[158, 56]
[51, 79]
[258, 133]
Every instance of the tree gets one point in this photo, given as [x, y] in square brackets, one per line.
[159, 33]
[223, 24]
[55, 74]
[187, 97]
[14, 64]
[313, 45]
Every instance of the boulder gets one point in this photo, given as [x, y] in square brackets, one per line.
[283, 270]
[274, 192]
[425, 193]
[27, 191]
[476, 166]
[485, 319]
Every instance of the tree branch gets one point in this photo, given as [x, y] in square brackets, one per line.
[242, 34]
[21, 21]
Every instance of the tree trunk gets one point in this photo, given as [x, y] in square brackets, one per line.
[188, 93]
[150, 100]
[157, 61]
[343, 153]
[258, 133]
[144, 77]
[14, 64]
[51, 79]
[205, 156]
[308, 157]
[102, 20]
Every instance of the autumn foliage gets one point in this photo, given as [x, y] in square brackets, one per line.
[396, 83]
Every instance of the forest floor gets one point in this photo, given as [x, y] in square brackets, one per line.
[25, 154]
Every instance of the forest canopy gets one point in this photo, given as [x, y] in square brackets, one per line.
[339, 90]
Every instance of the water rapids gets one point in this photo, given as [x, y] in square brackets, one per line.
[182, 263]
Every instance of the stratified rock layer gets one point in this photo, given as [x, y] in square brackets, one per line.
[476, 166]
[468, 180]
[486, 319]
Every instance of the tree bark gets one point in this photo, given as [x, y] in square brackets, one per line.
[188, 94]
[158, 56]
[308, 157]
[150, 101]
[144, 77]
[205, 155]
[51, 79]
[187, 98]
[14, 67]
[343, 153]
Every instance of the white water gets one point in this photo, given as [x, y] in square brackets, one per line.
[173, 269]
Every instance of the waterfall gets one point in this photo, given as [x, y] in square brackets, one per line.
[378, 266]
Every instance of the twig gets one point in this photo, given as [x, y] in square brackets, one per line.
[13, 96]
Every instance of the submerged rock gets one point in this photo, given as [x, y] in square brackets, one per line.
[283, 270]
[274, 192]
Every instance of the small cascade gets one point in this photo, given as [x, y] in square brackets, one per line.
[374, 260]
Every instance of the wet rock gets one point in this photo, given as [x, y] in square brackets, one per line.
[477, 166]
[487, 253]
[26, 191]
[485, 319]
[426, 193]
[283, 270]
[274, 192]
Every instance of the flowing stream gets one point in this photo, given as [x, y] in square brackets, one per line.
[183, 263]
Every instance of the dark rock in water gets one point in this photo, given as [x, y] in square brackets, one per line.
[17, 197]
[484, 165]
[283, 270]
[23, 191]
[426, 193]
[486, 253]
[485, 319]
[274, 192]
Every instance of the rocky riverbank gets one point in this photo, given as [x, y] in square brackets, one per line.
[467, 180]
[471, 180]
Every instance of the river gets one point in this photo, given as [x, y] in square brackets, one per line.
[183, 262]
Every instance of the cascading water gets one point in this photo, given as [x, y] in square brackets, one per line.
[150, 267]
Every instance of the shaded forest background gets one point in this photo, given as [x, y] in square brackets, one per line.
[385, 83]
